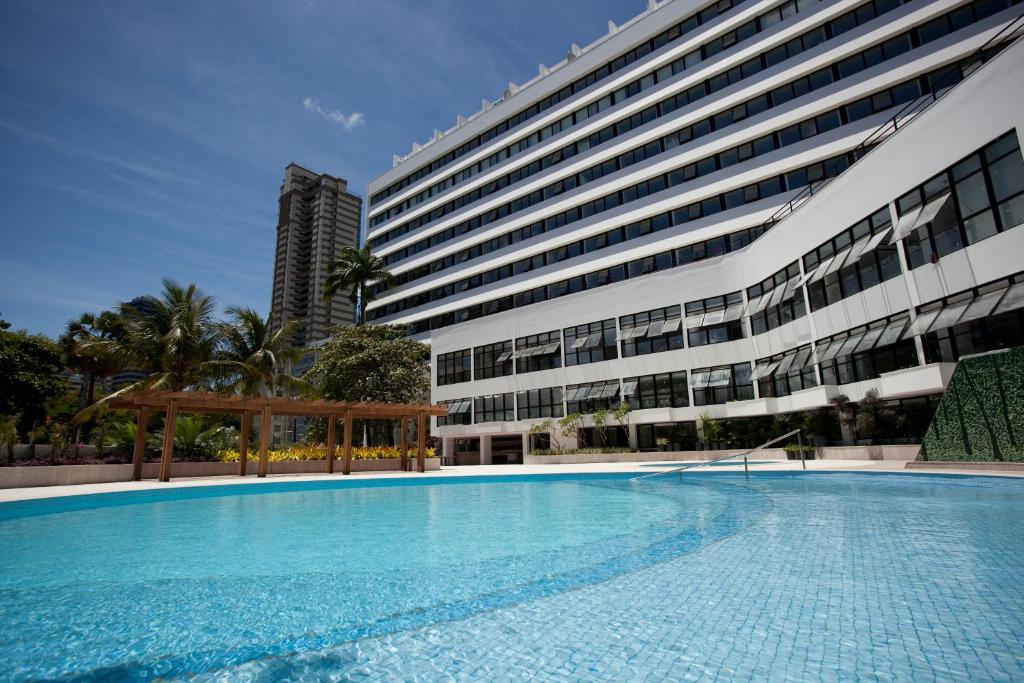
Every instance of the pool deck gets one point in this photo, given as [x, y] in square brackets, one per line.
[7, 495]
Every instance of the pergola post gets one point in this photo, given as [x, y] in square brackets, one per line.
[421, 443]
[243, 442]
[346, 467]
[404, 444]
[170, 422]
[331, 420]
[140, 444]
[264, 441]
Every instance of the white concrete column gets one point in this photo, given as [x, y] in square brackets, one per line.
[448, 449]
[485, 449]
[526, 444]
[634, 442]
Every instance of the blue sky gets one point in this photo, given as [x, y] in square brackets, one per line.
[143, 139]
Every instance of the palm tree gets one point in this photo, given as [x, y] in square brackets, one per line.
[170, 338]
[352, 272]
[92, 360]
[253, 360]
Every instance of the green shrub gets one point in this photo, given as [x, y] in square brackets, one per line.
[581, 451]
[981, 415]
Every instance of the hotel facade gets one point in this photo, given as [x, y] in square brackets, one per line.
[728, 209]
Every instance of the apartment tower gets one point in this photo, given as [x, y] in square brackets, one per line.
[317, 217]
[723, 210]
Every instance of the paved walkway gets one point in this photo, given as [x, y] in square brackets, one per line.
[479, 470]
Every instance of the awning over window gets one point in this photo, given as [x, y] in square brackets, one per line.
[578, 343]
[699, 379]
[629, 387]
[720, 377]
[919, 216]
[893, 330]
[459, 407]
[753, 303]
[1013, 300]
[504, 356]
[764, 369]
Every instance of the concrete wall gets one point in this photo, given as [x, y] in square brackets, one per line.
[61, 475]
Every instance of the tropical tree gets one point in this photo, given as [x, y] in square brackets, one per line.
[9, 435]
[253, 359]
[600, 420]
[371, 363]
[82, 354]
[28, 375]
[712, 430]
[846, 410]
[195, 440]
[351, 273]
[171, 338]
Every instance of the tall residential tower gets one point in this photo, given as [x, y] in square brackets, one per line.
[729, 209]
[317, 217]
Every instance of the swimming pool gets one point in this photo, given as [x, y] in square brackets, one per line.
[787, 576]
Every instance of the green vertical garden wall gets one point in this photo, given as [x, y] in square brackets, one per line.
[981, 415]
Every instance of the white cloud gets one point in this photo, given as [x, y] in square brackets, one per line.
[348, 122]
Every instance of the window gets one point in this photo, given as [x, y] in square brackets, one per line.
[976, 198]
[776, 300]
[492, 360]
[664, 390]
[651, 331]
[785, 373]
[715, 320]
[459, 412]
[983, 319]
[537, 403]
[590, 343]
[866, 352]
[494, 408]
[538, 352]
[721, 384]
[591, 397]
[454, 367]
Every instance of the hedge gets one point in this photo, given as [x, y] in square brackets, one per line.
[981, 415]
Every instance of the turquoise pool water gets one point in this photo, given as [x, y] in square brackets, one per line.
[785, 576]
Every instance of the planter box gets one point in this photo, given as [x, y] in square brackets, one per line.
[957, 465]
[62, 475]
[903, 453]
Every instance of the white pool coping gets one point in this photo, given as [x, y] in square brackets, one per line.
[8, 495]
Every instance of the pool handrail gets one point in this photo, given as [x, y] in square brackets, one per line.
[744, 454]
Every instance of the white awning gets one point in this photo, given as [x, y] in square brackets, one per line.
[504, 356]
[552, 347]
[732, 313]
[819, 272]
[921, 323]
[838, 262]
[850, 344]
[870, 338]
[982, 306]
[713, 317]
[573, 394]
[671, 325]
[763, 370]
[921, 215]
[950, 315]
[828, 351]
[594, 340]
[699, 379]
[458, 407]
[1013, 300]
[762, 303]
[875, 240]
[578, 343]
[694, 321]
[892, 332]
[802, 356]
[720, 377]
[752, 305]
[778, 294]
[518, 353]
[625, 333]
[629, 387]
[785, 363]
[609, 390]
[655, 329]
[639, 331]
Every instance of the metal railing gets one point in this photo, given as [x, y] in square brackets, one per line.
[943, 84]
[744, 454]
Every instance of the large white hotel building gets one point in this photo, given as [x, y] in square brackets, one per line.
[634, 223]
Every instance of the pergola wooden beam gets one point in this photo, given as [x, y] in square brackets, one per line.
[403, 456]
[140, 444]
[173, 402]
[331, 438]
[243, 443]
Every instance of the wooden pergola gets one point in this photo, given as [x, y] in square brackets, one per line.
[148, 403]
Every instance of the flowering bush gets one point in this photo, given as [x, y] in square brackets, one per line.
[319, 452]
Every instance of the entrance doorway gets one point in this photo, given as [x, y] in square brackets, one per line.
[507, 450]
